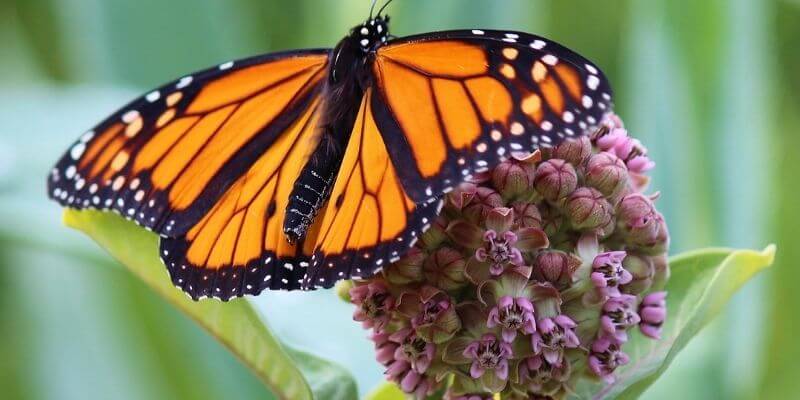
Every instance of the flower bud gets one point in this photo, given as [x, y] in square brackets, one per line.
[606, 173]
[587, 209]
[552, 219]
[343, 288]
[484, 200]
[436, 234]
[526, 215]
[555, 179]
[408, 269]
[513, 178]
[574, 151]
[639, 221]
[642, 270]
[445, 269]
[555, 266]
[662, 272]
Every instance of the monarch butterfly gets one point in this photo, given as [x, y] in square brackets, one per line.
[294, 170]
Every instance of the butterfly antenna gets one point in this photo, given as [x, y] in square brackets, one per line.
[384, 7]
[372, 8]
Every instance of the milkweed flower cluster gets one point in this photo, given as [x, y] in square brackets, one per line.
[531, 279]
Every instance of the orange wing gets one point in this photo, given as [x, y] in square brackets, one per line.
[370, 220]
[165, 159]
[239, 247]
[455, 103]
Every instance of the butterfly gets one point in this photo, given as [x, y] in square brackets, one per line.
[297, 169]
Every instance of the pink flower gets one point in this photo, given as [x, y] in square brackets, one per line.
[536, 371]
[488, 353]
[553, 335]
[374, 304]
[619, 314]
[499, 251]
[430, 311]
[605, 357]
[640, 164]
[617, 142]
[653, 311]
[404, 367]
[608, 274]
[413, 349]
[512, 315]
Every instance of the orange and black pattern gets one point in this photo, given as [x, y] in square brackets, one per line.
[370, 220]
[209, 161]
[455, 103]
[164, 159]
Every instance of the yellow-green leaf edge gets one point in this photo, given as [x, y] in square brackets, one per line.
[235, 324]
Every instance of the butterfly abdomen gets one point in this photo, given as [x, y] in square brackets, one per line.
[312, 188]
[343, 95]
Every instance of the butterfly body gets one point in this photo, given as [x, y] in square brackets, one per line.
[297, 169]
[348, 78]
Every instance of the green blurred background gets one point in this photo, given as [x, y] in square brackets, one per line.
[710, 86]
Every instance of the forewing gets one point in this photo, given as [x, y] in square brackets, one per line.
[166, 158]
[451, 104]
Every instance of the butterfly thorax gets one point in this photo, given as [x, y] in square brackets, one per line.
[348, 76]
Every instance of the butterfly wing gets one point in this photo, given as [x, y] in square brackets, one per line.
[166, 158]
[455, 103]
[445, 106]
[369, 220]
[239, 247]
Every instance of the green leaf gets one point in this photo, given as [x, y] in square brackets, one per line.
[701, 284]
[386, 391]
[290, 374]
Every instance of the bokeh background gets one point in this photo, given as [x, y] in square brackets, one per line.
[712, 87]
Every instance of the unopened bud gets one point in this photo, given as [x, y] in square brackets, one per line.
[606, 173]
[574, 151]
[555, 179]
[588, 209]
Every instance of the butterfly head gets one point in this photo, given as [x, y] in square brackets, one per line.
[372, 33]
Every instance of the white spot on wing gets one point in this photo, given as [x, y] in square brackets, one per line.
[587, 102]
[592, 82]
[538, 44]
[153, 96]
[77, 151]
[130, 116]
[183, 82]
